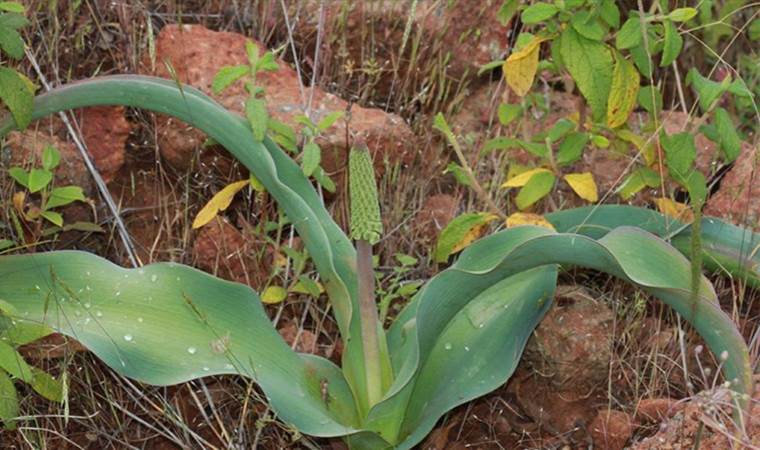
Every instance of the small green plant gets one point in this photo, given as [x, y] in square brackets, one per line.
[460, 337]
[16, 90]
[39, 181]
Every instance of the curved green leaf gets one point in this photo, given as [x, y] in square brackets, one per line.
[166, 323]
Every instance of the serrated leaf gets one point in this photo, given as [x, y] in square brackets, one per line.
[584, 185]
[610, 13]
[267, 63]
[571, 148]
[519, 218]
[708, 91]
[508, 112]
[50, 158]
[20, 175]
[696, 184]
[53, 217]
[729, 140]
[535, 189]
[38, 179]
[226, 76]
[538, 12]
[642, 60]
[629, 35]
[460, 232]
[324, 180]
[273, 295]
[587, 25]
[680, 153]
[521, 66]
[506, 11]
[258, 117]
[219, 202]
[673, 44]
[312, 156]
[674, 209]
[682, 14]
[64, 195]
[523, 178]
[17, 96]
[623, 92]
[560, 129]
[590, 64]
[638, 180]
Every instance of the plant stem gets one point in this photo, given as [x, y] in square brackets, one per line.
[369, 321]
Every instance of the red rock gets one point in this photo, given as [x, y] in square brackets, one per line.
[656, 409]
[197, 53]
[221, 249]
[105, 131]
[611, 429]
[437, 211]
[738, 198]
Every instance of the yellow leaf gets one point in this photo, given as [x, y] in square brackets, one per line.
[584, 185]
[623, 93]
[523, 178]
[219, 202]
[474, 233]
[520, 68]
[517, 219]
[18, 201]
[676, 210]
[273, 294]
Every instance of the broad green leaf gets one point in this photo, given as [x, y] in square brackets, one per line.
[50, 158]
[324, 180]
[535, 189]
[520, 68]
[587, 25]
[680, 152]
[682, 14]
[64, 195]
[650, 99]
[16, 95]
[13, 21]
[730, 142]
[538, 12]
[508, 112]
[623, 92]
[267, 62]
[8, 401]
[11, 42]
[258, 116]
[642, 60]
[610, 13]
[506, 11]
[708, 91]
[46, 386]
[13, 7]
[53, 217]
[590, 64]
[329, 120]
[12, 362]
[600, 141]
[219, 202]
[226, 76]
[459, 173]
[216, 327]
[560, 129]
[38, 179]
[312, 156]
[460, 232]
[584, 185]
[571, 148]
[273, 295]
[697, 187]
[638, 180]
[673, 44]
[629, 35]
[20, 175]
[523, 178]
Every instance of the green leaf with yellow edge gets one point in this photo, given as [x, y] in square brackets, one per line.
[535, 189]
[590, 64]
[520, 218]
[520, 68]
[584, 185]
[460, 233]
[623, 93]
[273, 295]
[523, 178]
[219, 202]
